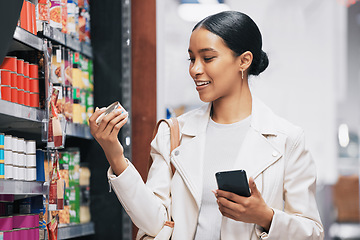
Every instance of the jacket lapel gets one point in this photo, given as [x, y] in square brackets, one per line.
[256, 154]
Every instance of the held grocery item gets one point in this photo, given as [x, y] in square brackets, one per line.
[109, 109]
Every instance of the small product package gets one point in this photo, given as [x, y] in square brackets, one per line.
[57, 122]
[52, 228]
[109, 109]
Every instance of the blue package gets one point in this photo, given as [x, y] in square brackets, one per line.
[40, 172]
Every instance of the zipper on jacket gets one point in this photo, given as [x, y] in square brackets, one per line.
[109, 185]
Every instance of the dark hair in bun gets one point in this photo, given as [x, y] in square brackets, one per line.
[240, 33]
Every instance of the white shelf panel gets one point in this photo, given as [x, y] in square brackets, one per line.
[22, 187]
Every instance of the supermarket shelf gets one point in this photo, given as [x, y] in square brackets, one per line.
[16, 116]
[74, 230]
[78, 130]
[28, 38]
[53, 34]
[22, 187]
[21, 111]
[86, 50]
[72, 43]
[66, 40]
[345, 230]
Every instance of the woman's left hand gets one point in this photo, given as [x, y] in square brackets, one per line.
[251, 209]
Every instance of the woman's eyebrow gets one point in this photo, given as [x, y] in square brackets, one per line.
[204, 50]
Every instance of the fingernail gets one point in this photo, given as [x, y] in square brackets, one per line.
[118, 111]
[214, 191]
[96, 108]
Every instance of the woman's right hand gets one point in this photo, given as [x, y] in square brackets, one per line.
[106, 134]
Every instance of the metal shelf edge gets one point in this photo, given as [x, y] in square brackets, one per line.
[78, 130]
[20, 111]
[74, 230]
[28, 38]
[22, 187]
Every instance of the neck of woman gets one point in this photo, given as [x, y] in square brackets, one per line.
[234, 107]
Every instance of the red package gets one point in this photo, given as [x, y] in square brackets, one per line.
[52, 228]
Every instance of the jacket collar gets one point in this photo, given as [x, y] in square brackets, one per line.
[260, 119]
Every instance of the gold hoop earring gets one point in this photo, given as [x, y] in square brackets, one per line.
[242, 74]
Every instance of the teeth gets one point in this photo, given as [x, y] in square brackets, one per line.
[201, 83]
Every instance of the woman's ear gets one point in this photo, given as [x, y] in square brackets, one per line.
[245, 60]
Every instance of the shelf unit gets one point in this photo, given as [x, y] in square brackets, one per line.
[22, 187]
[17, 117]
[36, 42]
[74, 230]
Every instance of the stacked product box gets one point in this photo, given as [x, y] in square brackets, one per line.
[19, 159]
[27, 19]
[21, 219]
[19, 82]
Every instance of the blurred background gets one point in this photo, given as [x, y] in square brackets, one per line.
[139, 54]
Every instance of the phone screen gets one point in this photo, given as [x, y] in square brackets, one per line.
[233, 181]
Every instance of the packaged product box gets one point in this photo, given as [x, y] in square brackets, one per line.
[40, 169]
[73, 18]
[89, 105]
[74, 201]
[85, 84]
[91, 75]
[57, 65]
[68, 67]
[83, 106]
[55, 14]
[42, 11]
[64, 16]
[68, 109]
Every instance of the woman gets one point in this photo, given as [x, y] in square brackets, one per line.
[233, 131]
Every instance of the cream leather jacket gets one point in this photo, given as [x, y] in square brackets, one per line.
[276, 158]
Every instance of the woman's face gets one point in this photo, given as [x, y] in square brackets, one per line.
[213, 66]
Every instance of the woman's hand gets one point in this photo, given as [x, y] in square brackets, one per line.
[106, 134]
[251, 209]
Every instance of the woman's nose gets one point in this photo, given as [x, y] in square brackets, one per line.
[196, 69]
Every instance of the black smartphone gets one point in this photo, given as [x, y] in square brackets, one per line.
[233, 181]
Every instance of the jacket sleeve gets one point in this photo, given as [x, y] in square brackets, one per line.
[300, 217]
[147, 204]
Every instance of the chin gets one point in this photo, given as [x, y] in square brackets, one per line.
[206, 99]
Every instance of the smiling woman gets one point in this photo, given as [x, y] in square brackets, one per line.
[233, 131]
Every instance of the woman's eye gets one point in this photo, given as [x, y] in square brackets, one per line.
[191, 59]
[208, 59]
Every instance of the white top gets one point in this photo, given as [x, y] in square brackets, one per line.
[230, 138]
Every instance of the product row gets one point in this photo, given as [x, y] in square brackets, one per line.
[72, 76]
[69, 192]
[18, 158]
[69, 16]
[19, 82]
[21, 218]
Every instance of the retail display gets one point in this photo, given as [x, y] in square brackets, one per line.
[45, 87]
